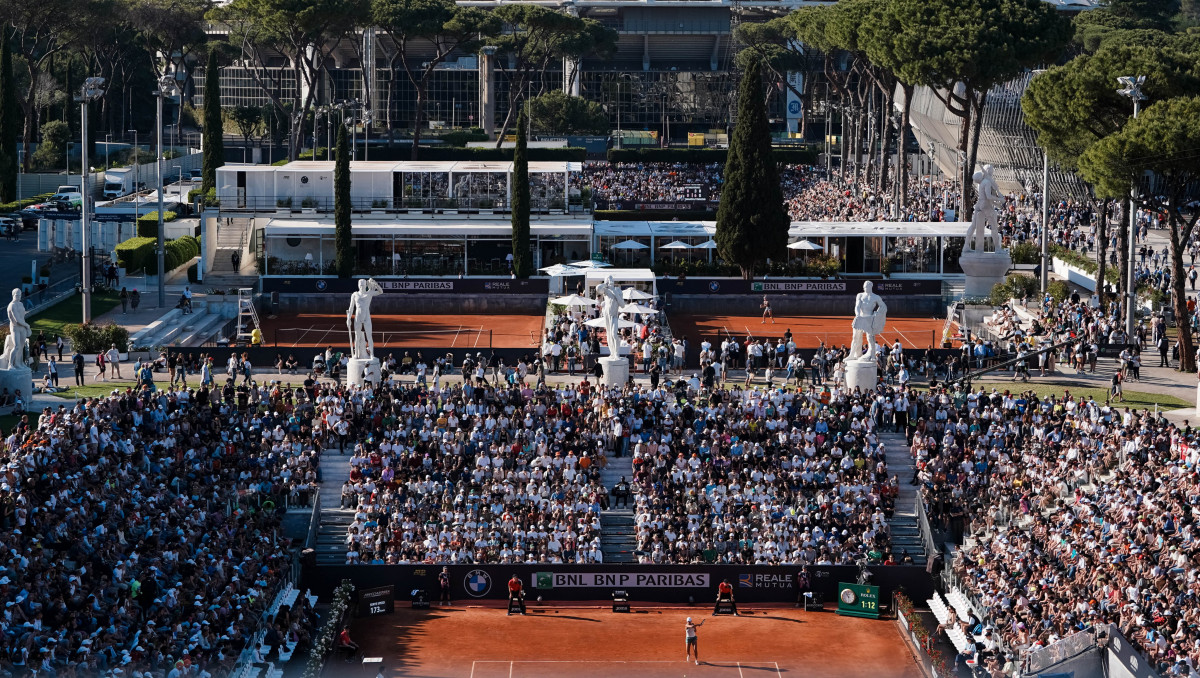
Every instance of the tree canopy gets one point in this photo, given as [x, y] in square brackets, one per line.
[557, 112]
[752, 222]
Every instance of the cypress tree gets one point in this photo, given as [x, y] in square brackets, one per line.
[214, 125]
[343, 245]
[752, 222]
[522, 266]
[9, 123]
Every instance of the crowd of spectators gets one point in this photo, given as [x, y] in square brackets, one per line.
[141, 530]
[1080, 514]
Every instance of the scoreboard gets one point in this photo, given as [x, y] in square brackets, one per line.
[858, 600]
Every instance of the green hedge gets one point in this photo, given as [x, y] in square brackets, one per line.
[24, 202]
[136, 254]
[176, 253]
[791, 156]
[92, 338]
[655, 215]
[147, 224]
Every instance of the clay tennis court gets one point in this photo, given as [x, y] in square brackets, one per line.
[399, 331]
[807, 331]
[584, 642]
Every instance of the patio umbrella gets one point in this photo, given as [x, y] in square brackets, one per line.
[676, 245]
[573, 300]
[559, 270]
[804, 245]
[638, 308]
[621, 323]
[588, 263]
[706, 245]
[630, 245]
[633, 294]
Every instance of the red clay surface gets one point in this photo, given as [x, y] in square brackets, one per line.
[595, 643]
[807, 331]
[399, 331]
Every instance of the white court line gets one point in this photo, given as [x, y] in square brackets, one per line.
[473, 669]
[777, 671]
[455, 342]
[740, 670]
[510, 669]
[478, 336]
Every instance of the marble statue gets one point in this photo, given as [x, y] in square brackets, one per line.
[988, 200]
[870, 314]
[358, 319]
[13, 357]
[610, 311]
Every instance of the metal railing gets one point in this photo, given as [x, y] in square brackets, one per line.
[314, 522]
[931, 549]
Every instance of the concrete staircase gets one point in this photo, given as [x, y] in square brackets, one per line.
[618, 533]
[232, 237]
[174, 328]
[335, 521]
[906, 533]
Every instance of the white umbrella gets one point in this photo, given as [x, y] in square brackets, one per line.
[559, 270]
[804, 245]
[630, 245]
[676, 245]
[621, 323]
[573, 300]
[706, 245]
[633, 294]
[589, 264]
[638, 308]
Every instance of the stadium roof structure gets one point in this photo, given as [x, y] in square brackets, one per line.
[798, 229]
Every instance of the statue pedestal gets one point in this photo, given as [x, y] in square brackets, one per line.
[863, 374]
[616, 371]
[984, 270]
[20, 378]
[363, 370]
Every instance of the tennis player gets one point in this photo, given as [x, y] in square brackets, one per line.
[691, 650]
[766, 309]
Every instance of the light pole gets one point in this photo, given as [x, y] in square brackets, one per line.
[136, 153]
[1131, 86]
[166, 87]
[1046, 224]
[90, 92]
[932, 164]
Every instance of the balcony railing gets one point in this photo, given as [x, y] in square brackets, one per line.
[392, 205]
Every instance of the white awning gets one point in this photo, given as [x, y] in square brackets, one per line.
[619, 275]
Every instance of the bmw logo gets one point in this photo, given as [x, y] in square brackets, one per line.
[321, 285]
[478, 583]
[714, 286]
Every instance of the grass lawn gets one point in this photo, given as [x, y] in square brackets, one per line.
[70, 312]
[93, 390]
[1133, 399]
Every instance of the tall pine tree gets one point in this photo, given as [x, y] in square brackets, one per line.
[752, 222]
[522, 266]
[10, 123]
[343, 245]
[214, 125]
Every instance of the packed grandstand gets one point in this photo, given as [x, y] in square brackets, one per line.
[143, 528]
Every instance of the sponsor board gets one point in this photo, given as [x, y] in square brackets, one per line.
[306, 285]
[762, 580]
[556, 580]
[477, 583]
